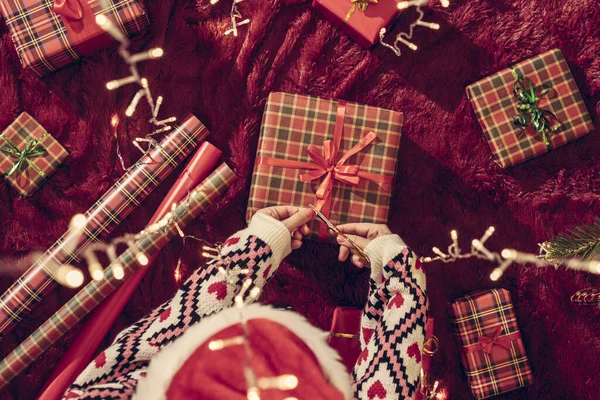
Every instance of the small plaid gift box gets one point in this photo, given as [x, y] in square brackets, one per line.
[530, 108]
[490, 344]
[338, 156]
[49, 34]
[28, 154]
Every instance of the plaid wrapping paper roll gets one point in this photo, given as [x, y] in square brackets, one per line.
[45, 40]
[495, 106]
[118, 202]
[292, 124]
[490, 344]
[34, 168]
[94, 292]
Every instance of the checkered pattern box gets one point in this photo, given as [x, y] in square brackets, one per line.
[495, 105]
[490, 344]
[49, 34]
[295, 129]
[28, 154]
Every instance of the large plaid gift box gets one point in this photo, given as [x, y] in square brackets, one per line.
[49, 34]
[530, 108]
[338, 156]
[28, 154]
[490, 344]
[360, 19]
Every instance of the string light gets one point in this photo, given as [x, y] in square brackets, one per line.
[144, 92]
[404, 37]
[254, 384]
[507, 257]
[234, 15]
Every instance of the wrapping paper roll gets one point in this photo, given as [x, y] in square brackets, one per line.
[95, 292]
[116, 204]
[97, 325]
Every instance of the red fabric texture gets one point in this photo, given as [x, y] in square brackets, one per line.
[276, 351]
[346, 320]
[446, 177]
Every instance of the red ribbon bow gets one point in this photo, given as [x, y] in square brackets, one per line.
[325, 163]
[71, 9]
[487, 343]
[80, 22]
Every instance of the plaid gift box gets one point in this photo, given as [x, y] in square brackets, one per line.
[102, 218]
[490, 344]
[28, 154]
[204, 195]
[515, 128]
[339, 156]
[49, 34]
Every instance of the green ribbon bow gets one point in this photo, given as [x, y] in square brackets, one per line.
[24, 156]
[543, 121]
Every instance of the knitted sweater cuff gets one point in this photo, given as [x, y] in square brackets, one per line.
[381, 251]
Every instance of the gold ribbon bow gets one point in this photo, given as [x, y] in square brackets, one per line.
[24, 156]
[361, 5]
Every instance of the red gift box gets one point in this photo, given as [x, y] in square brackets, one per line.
[490, 344]
[360, 19]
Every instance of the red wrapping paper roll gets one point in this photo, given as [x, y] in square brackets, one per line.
[116, 204]
[95, 292]
[96, 327]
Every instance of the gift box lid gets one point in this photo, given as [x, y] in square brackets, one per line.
[495, 104]
[45, 155]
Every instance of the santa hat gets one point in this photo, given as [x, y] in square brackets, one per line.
[281, 342]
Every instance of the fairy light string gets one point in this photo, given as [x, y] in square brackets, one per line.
[234, 15]
[507, 257]
[406, 37]
[245, 296]
[144, 92]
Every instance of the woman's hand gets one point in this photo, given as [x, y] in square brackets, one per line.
[294, 218]
[361, 234]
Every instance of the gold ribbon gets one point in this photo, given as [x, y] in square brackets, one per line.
[361, 5]
[24, 156]
[344, 335]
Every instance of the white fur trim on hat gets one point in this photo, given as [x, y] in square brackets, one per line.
[169, 360]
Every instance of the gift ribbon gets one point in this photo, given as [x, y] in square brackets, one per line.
[325, 163]
[24, 156]
[544, 121]
[80, 22]
[487, 343]
[361, 5]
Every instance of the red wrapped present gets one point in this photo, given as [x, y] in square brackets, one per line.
[340, 157]
[360, 19]
[50, 34]
[344, 336]
[530, 108]
[28, 154]
[490, 344]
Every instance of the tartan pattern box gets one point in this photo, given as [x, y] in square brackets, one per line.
[495, 105]
[291, 124]
[28, 154]
[44, 40]
[490, 344]
[201, 197]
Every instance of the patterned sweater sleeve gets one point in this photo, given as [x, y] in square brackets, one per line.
[254, 253]
[392, 324]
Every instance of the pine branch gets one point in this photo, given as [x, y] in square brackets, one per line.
[581, 241]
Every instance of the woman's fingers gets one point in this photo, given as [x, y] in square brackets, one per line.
[296, 244]
[356, 260]
[344, 253]
[359, 240]
[300, 218]
[305, 230]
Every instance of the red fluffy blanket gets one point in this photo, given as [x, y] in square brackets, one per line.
[445, 179]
